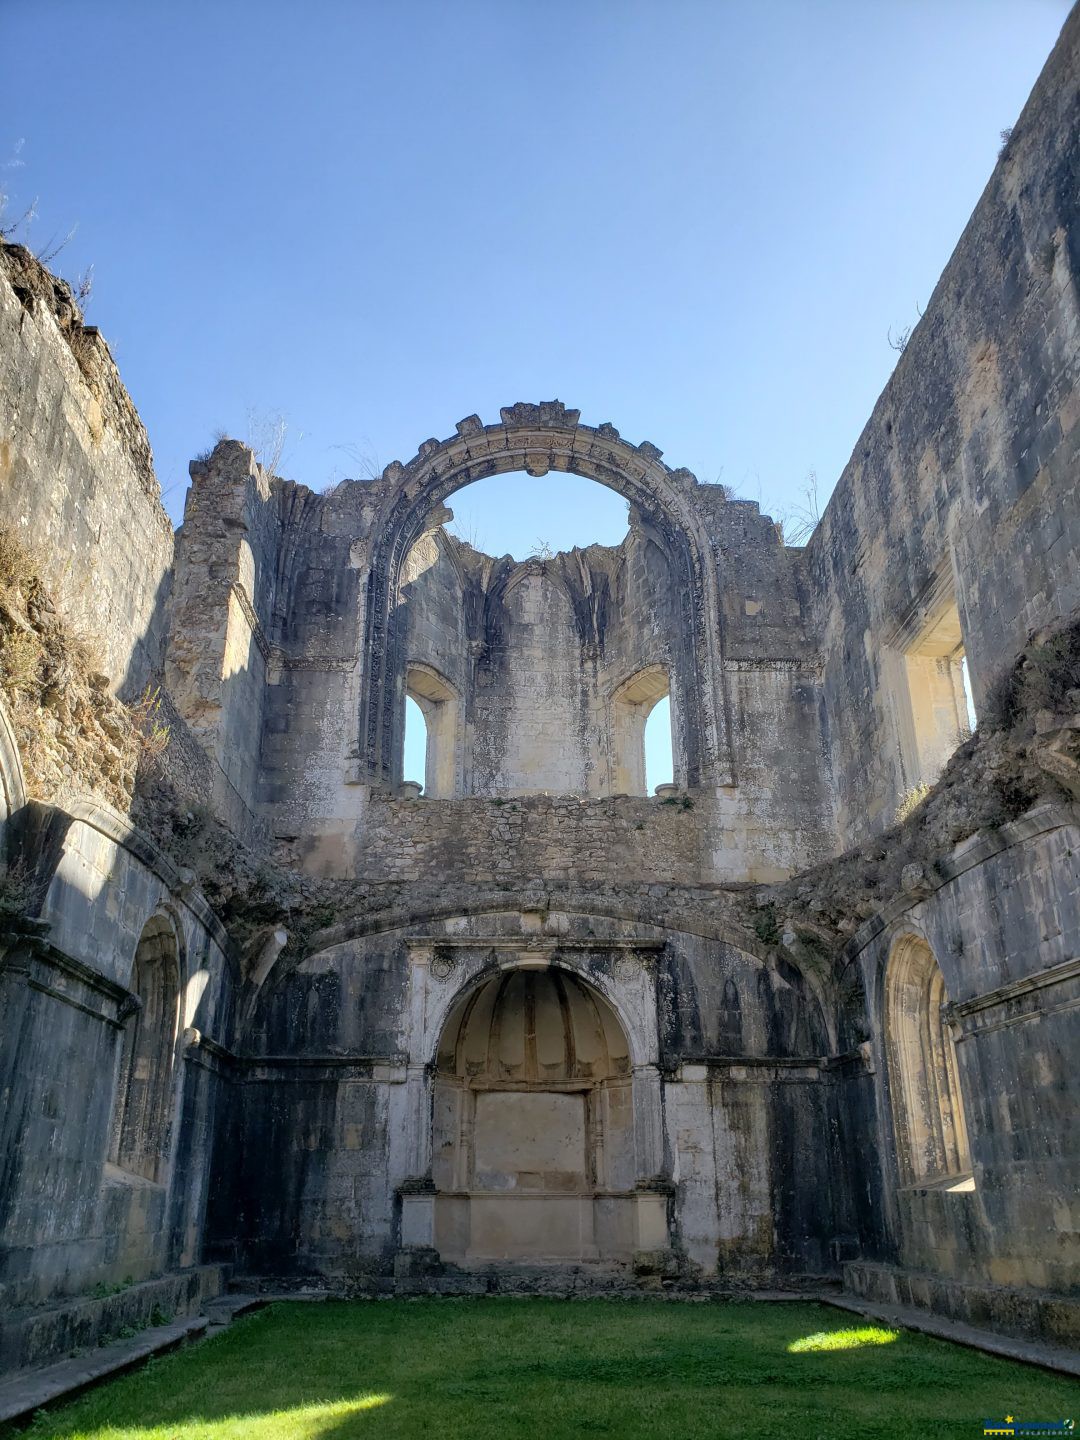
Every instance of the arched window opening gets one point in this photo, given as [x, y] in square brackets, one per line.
[414, 766]
[928, 1107]
[643, 750]
[140, 1133]
[659, 761]
[431, 743]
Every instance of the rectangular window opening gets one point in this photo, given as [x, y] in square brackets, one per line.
[937, 713]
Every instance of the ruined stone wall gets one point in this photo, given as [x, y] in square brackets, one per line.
[534, 654]
[70, 1219]
[219, 619]
[1001, 916]
[531, 707]
[77, 485]
[537, 650]
[966, 480]
[438, 843]
[325, 1131]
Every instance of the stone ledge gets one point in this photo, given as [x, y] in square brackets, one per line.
[36, 1335]
[1028, 1352]
[1046, 1321]
[27, 1391]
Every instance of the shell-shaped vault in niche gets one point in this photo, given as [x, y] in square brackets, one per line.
[536, 1027]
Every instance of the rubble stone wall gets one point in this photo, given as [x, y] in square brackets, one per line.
[77, 485]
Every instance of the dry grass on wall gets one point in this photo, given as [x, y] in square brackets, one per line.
[74, 737]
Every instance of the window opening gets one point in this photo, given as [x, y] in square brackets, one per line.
[414, 767]
[936, 711]
[140, 1135]
[431, 741]
[969, 698]
[928, 1107]
[659, 762]
[642, 752]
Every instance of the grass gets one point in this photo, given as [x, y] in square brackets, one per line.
[538, 1369]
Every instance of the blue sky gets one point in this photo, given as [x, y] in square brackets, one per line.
[696, 219]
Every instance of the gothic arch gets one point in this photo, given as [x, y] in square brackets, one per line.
[440, 704]
[536, 439]
[924, 1079]
[146, 1062]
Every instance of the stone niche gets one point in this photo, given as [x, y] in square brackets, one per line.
[533, 1153]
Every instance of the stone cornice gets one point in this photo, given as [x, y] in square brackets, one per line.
[547, 943]
[974, 1016]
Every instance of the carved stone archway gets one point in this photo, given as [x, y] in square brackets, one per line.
[445, 973]
[537, 439]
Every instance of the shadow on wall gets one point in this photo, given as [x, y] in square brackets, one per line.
[101, 1177]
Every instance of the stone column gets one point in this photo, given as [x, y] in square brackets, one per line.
[417, 1189]
[653, 1184]
[648, 1122]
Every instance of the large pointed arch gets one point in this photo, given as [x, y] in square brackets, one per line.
[536, 439]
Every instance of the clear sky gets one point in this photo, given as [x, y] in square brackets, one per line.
[697, 219]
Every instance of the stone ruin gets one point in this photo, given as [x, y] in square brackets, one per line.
[807, 1018]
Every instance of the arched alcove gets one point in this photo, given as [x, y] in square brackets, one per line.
[141, 1112]
[924, 1080]
[533, 1143]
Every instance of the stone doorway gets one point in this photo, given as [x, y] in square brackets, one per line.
[533, 1154]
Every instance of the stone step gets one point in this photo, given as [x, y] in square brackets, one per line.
[35, 1336]
[25, 1391]
[225, 1309]
[273, 1287]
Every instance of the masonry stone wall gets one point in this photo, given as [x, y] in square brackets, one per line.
[77, 486]
[69, 1219]
[1001, 921]
[534, 652]
[967, 476]
[219, 619]
[322, 1125]
[537, 650]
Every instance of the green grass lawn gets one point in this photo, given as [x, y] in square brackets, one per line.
[501, 1368]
